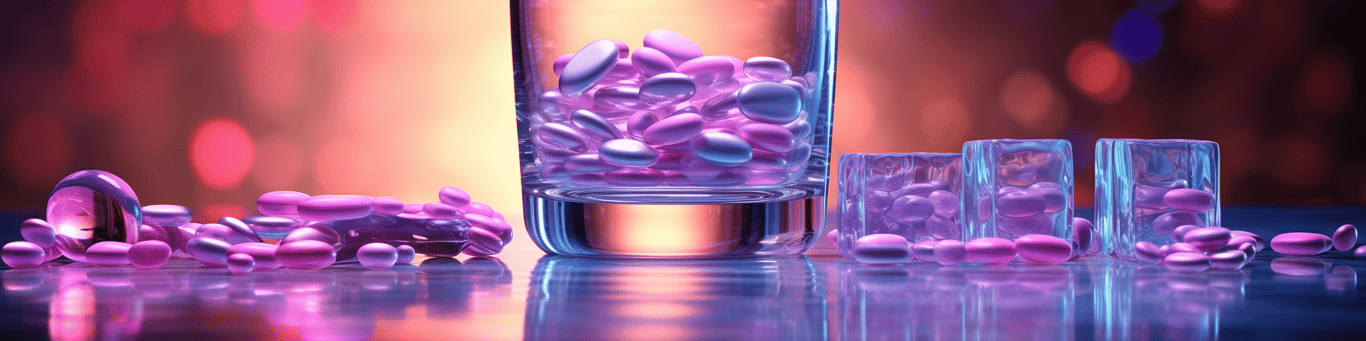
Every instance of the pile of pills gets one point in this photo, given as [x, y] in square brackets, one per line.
[890, 249]
[304, 232]
[667, 115]
[1202, 248]
[1027, 209]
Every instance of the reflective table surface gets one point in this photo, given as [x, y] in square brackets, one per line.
[525, 294]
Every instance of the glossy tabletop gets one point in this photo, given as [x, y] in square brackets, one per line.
[524, 294]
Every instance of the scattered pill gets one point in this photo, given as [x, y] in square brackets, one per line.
[1189, 199]
[280, 203]
[38, 232]
[335, 207]
[166, 215]
[1301, 243]
[1043, 249]
[241, 263]
[990, 251]
[377, 256]
[306, 255]
[881, 249]
[21, 255]
[1208, 238]
[406, 254]
[262, 254]
[950, 252]
[1345, 237]
[208, 250]
[1187, 262]
[149, 254]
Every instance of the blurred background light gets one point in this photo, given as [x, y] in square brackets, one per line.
[1136, 36]
[221, 152]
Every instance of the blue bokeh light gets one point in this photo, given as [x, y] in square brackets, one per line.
[1136, 36]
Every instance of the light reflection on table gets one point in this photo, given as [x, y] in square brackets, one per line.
[787, 298]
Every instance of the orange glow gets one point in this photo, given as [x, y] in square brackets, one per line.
[334, 16]
[38, 150]
[279, 164]
[273, 73]
[1099, 72]
[347, 166]
[655, 310]
[211, 213]
[280, 15]
[1027, 97]
[944, 124]
[213, 16]
[659, 230]
[221, 153]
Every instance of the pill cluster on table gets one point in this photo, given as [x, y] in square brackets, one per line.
[665, 114]
[887, 249]
[295, 231]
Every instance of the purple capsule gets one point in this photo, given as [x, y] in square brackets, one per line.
[719, 106]
[335, 207]
[678, 47]
[412, 208]
[1180, 232]
[1012, 227]
[1183, 247]
[38, 232]
[23, 255]
[306, 255]
[451, 195]
[377, 256]
[767, 69]
[149, 254]
[769, 102]
[950, 252]
[484, 239]
[721, 148]
[559, 135]
[594, 126]
[667, 89]
[589, 66]
[627, 153]
[276, 227]
[263, 254]
[990, 251]
[639, 122]
[208, 250]
[674, 129]
[1149, 253]
[623, 73]
[924, 250]
[1043, 249]
[1207, 238]
[1081, 232]
[280, 203]
[1237, 240]
[1189, 199]
[942, 228]
[1020, 204]
[634, 177]
[878, 202]
[320, 233]
[381, 205]
[1345, 237]
[483, 209]
[1301, 243]
[1054, 200]
[240, 263]
[438, 210]
[911, 209]
[221, 232]
[767, 137]
[649, 62]
[707, 71]
[406, 254]
[1168, 222]
[945, 203]
[1228, 260]
[497, 226]
[166, 215]
[1150, 197]
[618, 98]
[240, 228]
[1186, 262]
[558, 65]
[1260, 243]
[881, 249]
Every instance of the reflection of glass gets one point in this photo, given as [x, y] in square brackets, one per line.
[743, 299]
[1153, 303]
[719, 160]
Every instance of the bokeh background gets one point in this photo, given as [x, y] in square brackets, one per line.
[208, 103]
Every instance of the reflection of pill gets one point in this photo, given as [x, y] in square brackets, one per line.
[1043, 249]
[990, 251]
[1208, 238]
[1189, 199]
[1187, 262]
[1345, 237]
[1301, 243]
[881, 249]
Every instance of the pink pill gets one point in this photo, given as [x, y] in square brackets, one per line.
[107, 253]
[881, 249]
[990, 251]
[1189, 199]
[1260, 243]
[280, 203]
[878, 202]
[767, 137]
[1021, 204]
[480, 208]
[1228, 260]
[240, 228]
[1043, 249]
[767, 69]
[377, 256]
[1149, 253]
[588, 67]
[306, 255]
[166, 215]
[560, 135]
[560, 62]
[1345, 237]
[667, 89]
[911, 209]
[149, 254]
[1208, 238]
[1081, 232]
[335, 207]
[1150, 197]
[833, 238]
[498, 227]
[208, 250]
[221, 232]
[678, 47]
[1053, 198]
[639, 122]
[649, 62]
[406, 254]
[318, 232]
[23, 255]
[708, 71]
[593, 125]
[1238, 240]
[1360, 252]
[241, 263]
[945, 203]
[950, 252]
[1187, 262]
[484, 239]
[38, 232]
[1167, 223]
[412, 208]
[1183, 247]
[1301, 243]
[438, 210]
[924, 250]
[942, 228]
[387, 205]
[262, 254]
[1180, 232]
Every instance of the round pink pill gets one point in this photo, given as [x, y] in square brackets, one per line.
[1208, 238]
[1187, 262]
[1360, 252]
[1043, 249]
[335, 207]
[149, 254]
[1345, 237]
[991, 251]
[108, 253]
[1149, 253]
[280, 203]
[950, 252]
[39, 232]
[881, 249]
[1189, 199]
[1301, 243]
[241, 263]
[406, 254]
[306, 255]
[377, 256]
[262, 254]
[23, 255]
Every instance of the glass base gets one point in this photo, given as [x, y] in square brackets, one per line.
[673, 230]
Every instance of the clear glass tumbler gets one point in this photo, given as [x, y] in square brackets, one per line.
[662, 128]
